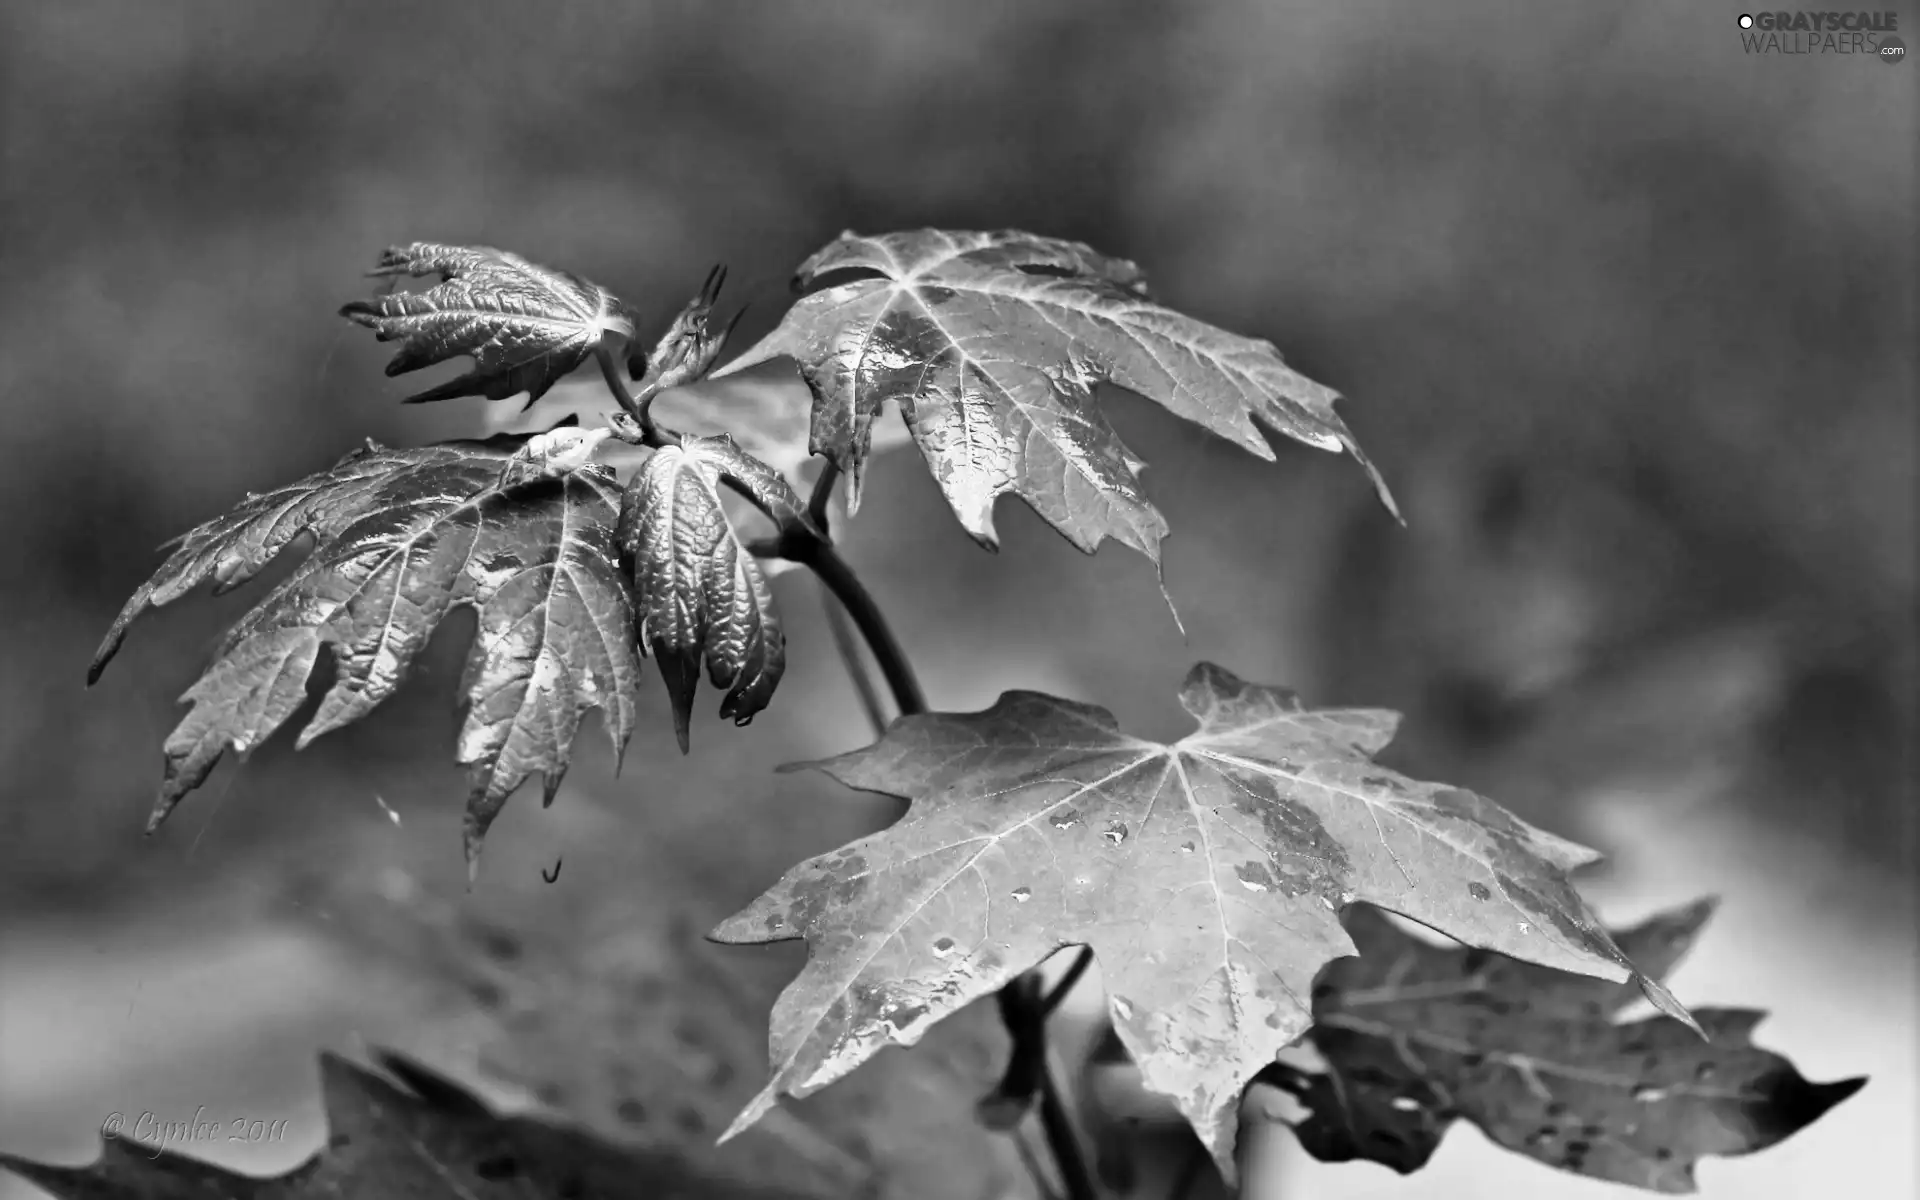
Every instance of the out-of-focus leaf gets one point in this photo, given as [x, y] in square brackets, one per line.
[700, 595]
[524, 325]
[1416, 1036]
[431, 1139]
[991, 344]
[402, 537]
[608, 1008]
[1207, 875]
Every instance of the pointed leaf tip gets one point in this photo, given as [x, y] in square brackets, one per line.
[1663, 1000]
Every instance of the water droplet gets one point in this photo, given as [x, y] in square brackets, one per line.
[1253, 885]
[1328, 903]
[1405, 1104]
[1064, 819]
[1703, 1072]
[1115, 832]
[1479, 891]
[1124, 1007]
[943, 946]
[1524, 927]
[1647, 1093]
[1022, 894]
[1186, 847]
[1346, 898]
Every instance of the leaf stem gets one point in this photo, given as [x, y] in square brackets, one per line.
[822, 493]
[825, 562]
[637, 406]
[846, 641]
[1063, 1139]
[1074, 972]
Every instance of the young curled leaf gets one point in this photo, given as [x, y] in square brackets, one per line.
[1417, 1036]
[991, 344]
[402, 538]
[699, 593]
[687, 351]
[1207, 876]
[525, 326]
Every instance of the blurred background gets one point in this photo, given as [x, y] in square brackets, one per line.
[1625, 315]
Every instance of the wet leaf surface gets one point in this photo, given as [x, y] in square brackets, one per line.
[1207, 875]
[525, 326]
[991, 344]
[701, 597]
[1417, 1036]
[401, 538]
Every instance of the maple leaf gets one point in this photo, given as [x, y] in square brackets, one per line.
[430, 1139]
[991, 344]
[1206, 875]
[525, 326]
[699, 593]
[402, 537]
[1416, 1036]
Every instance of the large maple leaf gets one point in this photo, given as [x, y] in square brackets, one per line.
[991, 344]
[402, 537]
[524, 325]
[430, 1139]
[1416, 1036]
[1207, 875]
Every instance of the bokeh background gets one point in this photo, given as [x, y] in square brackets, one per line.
[1625, 315]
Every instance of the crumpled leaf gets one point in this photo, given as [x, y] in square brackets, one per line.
[608, 1006]
[1416, 1036]
[525, 326]
[1206, 875]
[991, 344]
[699, 594]
[403, 536]
[432, 1138]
